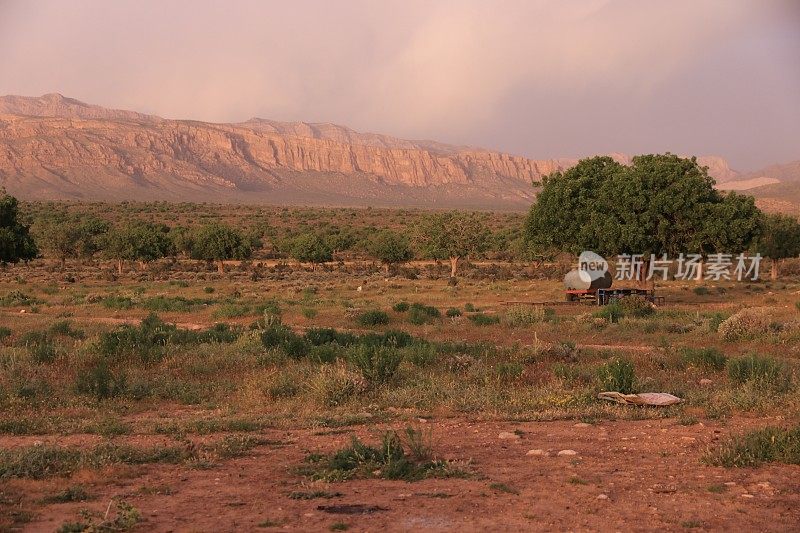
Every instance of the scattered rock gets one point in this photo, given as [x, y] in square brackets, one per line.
[705, 382]
[567, 452]
[537, 452]
[745, 495]
[507, 435]
[581, 425]
[602, 497]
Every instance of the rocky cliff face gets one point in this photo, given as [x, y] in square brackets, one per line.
[54, 147]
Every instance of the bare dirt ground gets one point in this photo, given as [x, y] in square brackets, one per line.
[633, 476]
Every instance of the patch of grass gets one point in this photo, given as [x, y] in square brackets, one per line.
[232, 310]
[18, 299]
[481, 319]
[391, 459]
[701, 291]
[339, 526]
[40, 462]
[309, 312]
[767, 445]
[503, 487]
[718, 488]
[763, 371]
[176, 304]
[617, 375]
[704, 358]
[452, 312]
[73, 493]
[64, 327]
[526, 315]
[313, 495]
[118, 303]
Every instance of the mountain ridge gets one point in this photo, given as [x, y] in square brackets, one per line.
[54, 147]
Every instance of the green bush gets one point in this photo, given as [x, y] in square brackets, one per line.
[469, 308]
[334, 385]
[612, 312]
[765, 372]
[706, 358]
[117, 302]
[484, 320]
[617, 375]
[320, 336]
[372, 318]
[421, 354]
[453, 312]
[4, 332]
[100, 381]
[325, 353]
[64, 327]
[701, 291]
[296, 347]
[400, 307]
[378, 364]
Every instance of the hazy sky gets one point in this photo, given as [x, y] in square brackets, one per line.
[536, 78]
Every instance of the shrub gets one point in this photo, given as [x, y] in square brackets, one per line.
[334, 385]
[17, 299]
[326, 353]
[765, 372]
[617, 375]
[392, 338]
[391, 459]
[701, 291]
[400, 307]
[715, 320]
[453, 312]
[232, 310]
[4, 332]
[484, 320]
[636, 306]
[525, 315]
[296, 347]
[469, 308]
[373, 318]
[117, 302]
[320, 336]
[309, 312]
[100, 381]
[64, 327]
[427, 309]
[40, 346]
[422, 354]
[378, 364]
[756, 447]
[612, 312]
[746, 324]
[706, 358]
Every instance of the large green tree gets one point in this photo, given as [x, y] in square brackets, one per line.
[453, 235]
[780, 239]
[660, 204]
[137, 241]
[68, 236]
[310, 248]
[16, 243]
[389, 247]
[219, 242]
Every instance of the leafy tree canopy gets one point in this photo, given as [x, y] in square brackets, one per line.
[452, 235]
[310, 248]
[659, 204]
[16, 242]
[218, 242]
[66, 235]
[138, 241]
[389, 247]
[780, 237]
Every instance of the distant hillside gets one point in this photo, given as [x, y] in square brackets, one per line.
[54, 148]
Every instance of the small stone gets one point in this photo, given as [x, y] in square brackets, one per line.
[581, 425]
[706, 381]
[567, 452]
[747, 495]
[729, 483]
[507, 435]
[602, 496]
[22, 311]
[537, 452]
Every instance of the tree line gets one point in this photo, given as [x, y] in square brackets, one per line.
[660, 204]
